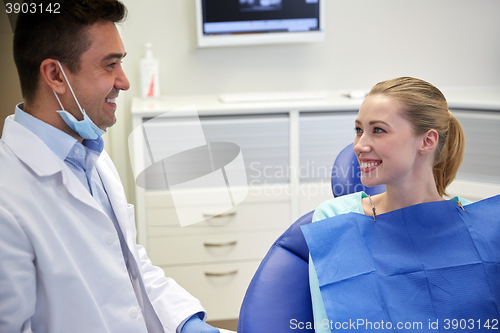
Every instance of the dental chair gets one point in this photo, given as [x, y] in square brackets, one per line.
[278, 299]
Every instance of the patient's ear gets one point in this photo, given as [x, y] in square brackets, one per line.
[429, 142]
[51, 75]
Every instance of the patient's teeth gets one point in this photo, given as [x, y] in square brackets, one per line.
[368, 165]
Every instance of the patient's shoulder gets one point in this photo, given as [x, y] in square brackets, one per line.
[463, 201]
[341, 205]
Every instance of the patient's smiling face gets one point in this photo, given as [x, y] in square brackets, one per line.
[385, 142]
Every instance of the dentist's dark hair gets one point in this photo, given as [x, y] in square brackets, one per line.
[57, 30]
[426, 108]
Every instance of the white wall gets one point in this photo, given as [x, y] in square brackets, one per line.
[447, 42]
[10, 90]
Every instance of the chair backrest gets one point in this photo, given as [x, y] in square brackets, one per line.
[345, 175]
[279, 295]
[278, 298]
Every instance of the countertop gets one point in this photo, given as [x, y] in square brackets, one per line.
[473, 98]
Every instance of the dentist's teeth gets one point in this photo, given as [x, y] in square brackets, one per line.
[110, 100]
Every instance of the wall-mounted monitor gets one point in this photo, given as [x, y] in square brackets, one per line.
[246, 22]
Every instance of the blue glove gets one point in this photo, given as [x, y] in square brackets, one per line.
[196, 325]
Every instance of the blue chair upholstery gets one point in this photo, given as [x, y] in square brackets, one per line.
[278, 298]
[279, 291]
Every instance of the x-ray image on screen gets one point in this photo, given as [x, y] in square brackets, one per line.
[245, 22]
[260, 5]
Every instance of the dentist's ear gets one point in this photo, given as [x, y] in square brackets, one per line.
[51, 74]
[429, 141]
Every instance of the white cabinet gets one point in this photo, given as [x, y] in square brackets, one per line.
[216, 259]
[288, 150]
[220, 293]
[322, 136]
[482, 145]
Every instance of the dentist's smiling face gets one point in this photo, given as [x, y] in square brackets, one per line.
[101, 76]
[385, 143]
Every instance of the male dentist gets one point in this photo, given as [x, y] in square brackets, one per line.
[69, 261]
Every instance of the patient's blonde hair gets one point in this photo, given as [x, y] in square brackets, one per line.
[426, 108]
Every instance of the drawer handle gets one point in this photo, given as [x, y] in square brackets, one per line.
[221, 274]
[220, 215]
[233, 243]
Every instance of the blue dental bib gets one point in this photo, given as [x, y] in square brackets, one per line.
[431, 263]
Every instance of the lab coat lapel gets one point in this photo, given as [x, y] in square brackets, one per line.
[115, 191]
[30, 149]
[78, 191]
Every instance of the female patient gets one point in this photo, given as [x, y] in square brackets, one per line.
[406, 259]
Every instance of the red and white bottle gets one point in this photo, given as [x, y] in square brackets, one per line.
[150, 74]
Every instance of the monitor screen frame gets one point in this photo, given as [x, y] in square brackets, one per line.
[258, 38]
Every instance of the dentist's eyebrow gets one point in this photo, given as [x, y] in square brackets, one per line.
[115, 56]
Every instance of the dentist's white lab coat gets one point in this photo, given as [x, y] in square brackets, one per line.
[61, 266]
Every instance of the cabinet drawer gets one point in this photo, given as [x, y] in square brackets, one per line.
[220, 288]
[250, 215]
[267, 150]
[211, 248]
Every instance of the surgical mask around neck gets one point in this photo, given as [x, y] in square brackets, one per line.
[86, 127]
